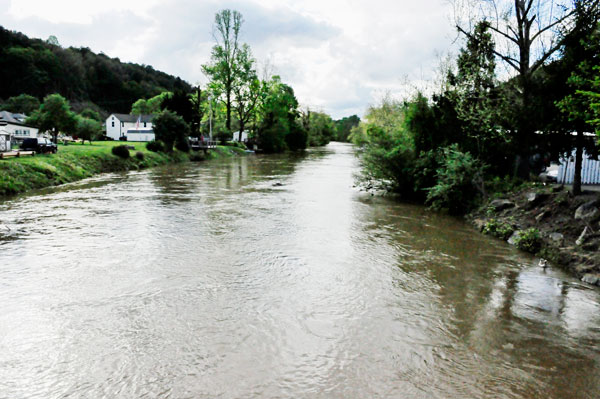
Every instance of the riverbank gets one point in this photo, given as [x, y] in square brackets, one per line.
[75, 162]
[550, 223]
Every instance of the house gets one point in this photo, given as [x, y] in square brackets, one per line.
[16, 127]
[130, 127]
[236, 136]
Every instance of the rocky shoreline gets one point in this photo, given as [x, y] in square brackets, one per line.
[550, 223]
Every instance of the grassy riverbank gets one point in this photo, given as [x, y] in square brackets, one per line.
[550, 223]
[75, 162]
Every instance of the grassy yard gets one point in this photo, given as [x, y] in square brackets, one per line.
[76, 161]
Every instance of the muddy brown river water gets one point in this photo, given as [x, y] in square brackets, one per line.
[213, 281]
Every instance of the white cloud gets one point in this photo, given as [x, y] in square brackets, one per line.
[337, 55]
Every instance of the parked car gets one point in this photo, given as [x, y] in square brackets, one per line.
[39, 145]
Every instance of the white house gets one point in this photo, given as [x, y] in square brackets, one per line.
[236, 136]
[132, 127]
[16, 127]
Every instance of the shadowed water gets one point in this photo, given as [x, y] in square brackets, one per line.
[208, 280]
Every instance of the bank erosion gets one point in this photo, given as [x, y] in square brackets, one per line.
[551, 223]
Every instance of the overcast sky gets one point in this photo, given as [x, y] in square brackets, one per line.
[338, 55]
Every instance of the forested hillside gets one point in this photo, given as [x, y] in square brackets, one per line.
[39, 68]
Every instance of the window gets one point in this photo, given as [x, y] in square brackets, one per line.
[113, 123]
[122, 124]
[144, 124]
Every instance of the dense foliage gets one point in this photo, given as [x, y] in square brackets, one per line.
[39, 68]
[447, 149]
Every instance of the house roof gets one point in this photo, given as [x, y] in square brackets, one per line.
[133, 118]
[13, 119]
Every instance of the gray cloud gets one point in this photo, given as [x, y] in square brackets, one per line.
[332, 63]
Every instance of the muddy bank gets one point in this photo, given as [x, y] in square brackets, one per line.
[551, 223]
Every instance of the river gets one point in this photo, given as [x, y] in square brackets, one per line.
[273, 277]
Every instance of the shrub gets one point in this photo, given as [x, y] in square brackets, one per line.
[155, 146]
[529, 240]
[498, 229]
[121, 151]
[183, 145]
[459, 182]
[139, 155]
[170, 128]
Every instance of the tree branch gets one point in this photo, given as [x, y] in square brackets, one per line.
[509, 60]
[512, 39]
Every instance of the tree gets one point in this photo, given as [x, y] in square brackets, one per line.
[581, 51]
[247, 89]
[223, 68]
[23, 103]
[180, 102]
[279, 129]
[344, 126]
[150, 106]
[474, 97]
[54, 115]
[170, 128]
[87, 129]
[91, 114]
[528, 31]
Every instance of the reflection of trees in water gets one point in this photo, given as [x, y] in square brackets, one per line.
[491, 300]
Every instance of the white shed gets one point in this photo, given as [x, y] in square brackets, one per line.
[5, 144]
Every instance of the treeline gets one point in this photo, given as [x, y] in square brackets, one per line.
[237, 100]
[39, 68]
[477, 133]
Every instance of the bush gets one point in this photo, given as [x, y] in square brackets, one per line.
[459, 182]
[155, 146]
[139, 155]
[498, 229]
[183, 145]
[170, 128]
[121, 151]
[529, 240]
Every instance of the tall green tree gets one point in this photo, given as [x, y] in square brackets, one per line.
[475, 101]
[247, 89]
[223, 68]
[54, 115]
[528, 32]
[279, 128]
[581, 54]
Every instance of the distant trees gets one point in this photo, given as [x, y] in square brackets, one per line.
[23, 104]
[344, 126]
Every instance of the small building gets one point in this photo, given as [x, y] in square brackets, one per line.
[5, 136]
[130, 127]
[236, 136]
[16, 127]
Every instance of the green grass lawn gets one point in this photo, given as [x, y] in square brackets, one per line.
[74, 162]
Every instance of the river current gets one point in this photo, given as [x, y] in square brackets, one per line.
[273, 277]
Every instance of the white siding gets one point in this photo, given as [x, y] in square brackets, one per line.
[21, 132]
[115, 129]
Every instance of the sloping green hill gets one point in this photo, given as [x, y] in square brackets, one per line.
[35, 67]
